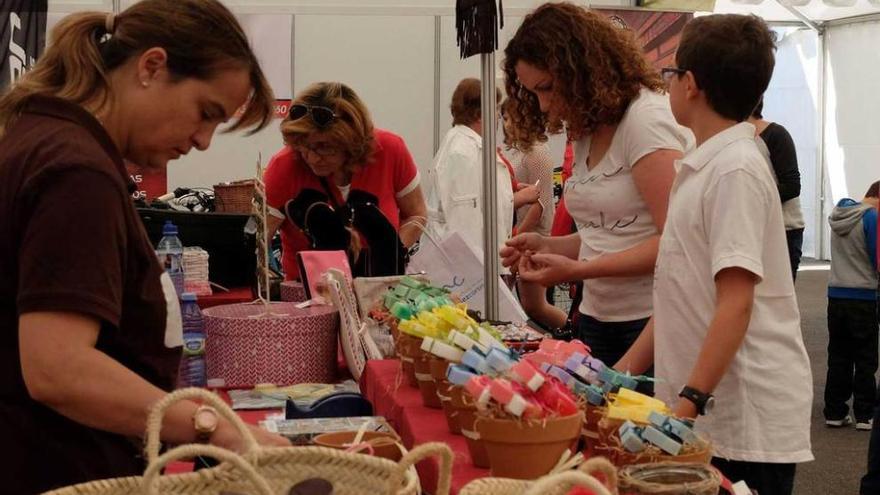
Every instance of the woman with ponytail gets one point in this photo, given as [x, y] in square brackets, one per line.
[89, 323]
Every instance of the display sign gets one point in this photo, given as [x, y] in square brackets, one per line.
[23, 28]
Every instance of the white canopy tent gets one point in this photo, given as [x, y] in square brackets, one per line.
[823, 88]
[824, 92]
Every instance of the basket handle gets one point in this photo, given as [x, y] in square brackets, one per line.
[567, 479]
[604, 466]
[421, 453]
[150, 481]
[157, 413]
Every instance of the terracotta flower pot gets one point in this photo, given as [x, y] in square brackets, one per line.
[527, 449]
[426, 384]
[438, 373]
[467, 418]
[466, 414]
[408, 348]
[384, 444]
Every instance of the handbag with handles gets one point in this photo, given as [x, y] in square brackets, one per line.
[262, 470]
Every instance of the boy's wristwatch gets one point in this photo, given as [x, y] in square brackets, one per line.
[704, 402]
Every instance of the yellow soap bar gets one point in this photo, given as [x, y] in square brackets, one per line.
[637, 414]
[626, 397]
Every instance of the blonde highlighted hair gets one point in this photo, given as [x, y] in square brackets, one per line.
[352, 129]
[201, 38]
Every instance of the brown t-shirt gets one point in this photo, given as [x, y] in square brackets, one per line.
[71, 240]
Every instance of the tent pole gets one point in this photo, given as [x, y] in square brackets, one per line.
[804, 19]
[490, 188]
[821, 173]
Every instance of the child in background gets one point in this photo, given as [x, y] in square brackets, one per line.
[726, 327]
[852, 312]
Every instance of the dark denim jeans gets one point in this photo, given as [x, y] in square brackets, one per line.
[763, 477]
[852, 358]
[609, 340]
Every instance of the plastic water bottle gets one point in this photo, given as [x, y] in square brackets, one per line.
[170, 252]
[192, 371]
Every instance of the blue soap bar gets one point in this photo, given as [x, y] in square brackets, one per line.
[499, 360]
[660, 439]
[594, 364]
[562, 376]
[573, 363]
[476, 360]
[683, 431]
[459, 375]
[595, 395]
[630, 437]
[659, 420]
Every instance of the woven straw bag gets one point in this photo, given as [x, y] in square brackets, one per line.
[558, 483]
[265, 471]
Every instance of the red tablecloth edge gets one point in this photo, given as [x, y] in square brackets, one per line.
[384, 385]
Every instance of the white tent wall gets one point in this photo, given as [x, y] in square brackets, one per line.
[792, 100]
[852, 112]
[399, 55]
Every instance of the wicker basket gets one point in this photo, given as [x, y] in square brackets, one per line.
[551, 484]
[234, 197]
[268, 470]
[609, 445]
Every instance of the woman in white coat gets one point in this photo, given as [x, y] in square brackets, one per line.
[453, 189]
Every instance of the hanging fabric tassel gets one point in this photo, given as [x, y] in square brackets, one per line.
[477, 23]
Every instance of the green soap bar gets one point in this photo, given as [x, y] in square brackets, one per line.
[402, 311]
[401, 290]
[410, 282]
[390, 299]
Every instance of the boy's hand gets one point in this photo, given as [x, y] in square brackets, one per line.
[548, 269]
[685, 409]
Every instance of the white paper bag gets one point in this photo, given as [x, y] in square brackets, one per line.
[453, 264]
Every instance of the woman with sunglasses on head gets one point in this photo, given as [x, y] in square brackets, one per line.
[90, 322]
[570, 69]
[342, 184]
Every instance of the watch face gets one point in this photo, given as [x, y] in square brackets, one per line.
[710, 404]
[205, 420]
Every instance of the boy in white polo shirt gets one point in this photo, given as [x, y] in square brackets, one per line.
[725, 339]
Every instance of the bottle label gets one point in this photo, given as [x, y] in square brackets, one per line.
[171, 262]
[193, 346]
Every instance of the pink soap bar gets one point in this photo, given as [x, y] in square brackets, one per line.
[508, 394]
[556, 397]
[478, 388]
[534, 409]
[560, 346]
[538, 358]
[526, 373]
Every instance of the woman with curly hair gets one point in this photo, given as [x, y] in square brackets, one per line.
[342, 184]
[569, 69]
[533, 166]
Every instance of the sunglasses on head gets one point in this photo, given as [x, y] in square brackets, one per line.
[321, 116]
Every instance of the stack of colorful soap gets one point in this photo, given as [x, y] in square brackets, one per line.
[410, 297]
[526, 419]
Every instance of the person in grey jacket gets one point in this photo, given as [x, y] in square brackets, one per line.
[852, 312]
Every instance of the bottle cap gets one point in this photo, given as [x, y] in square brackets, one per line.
[189, 297]
[169, 228]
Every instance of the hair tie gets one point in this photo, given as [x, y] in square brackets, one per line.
[110, 23]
